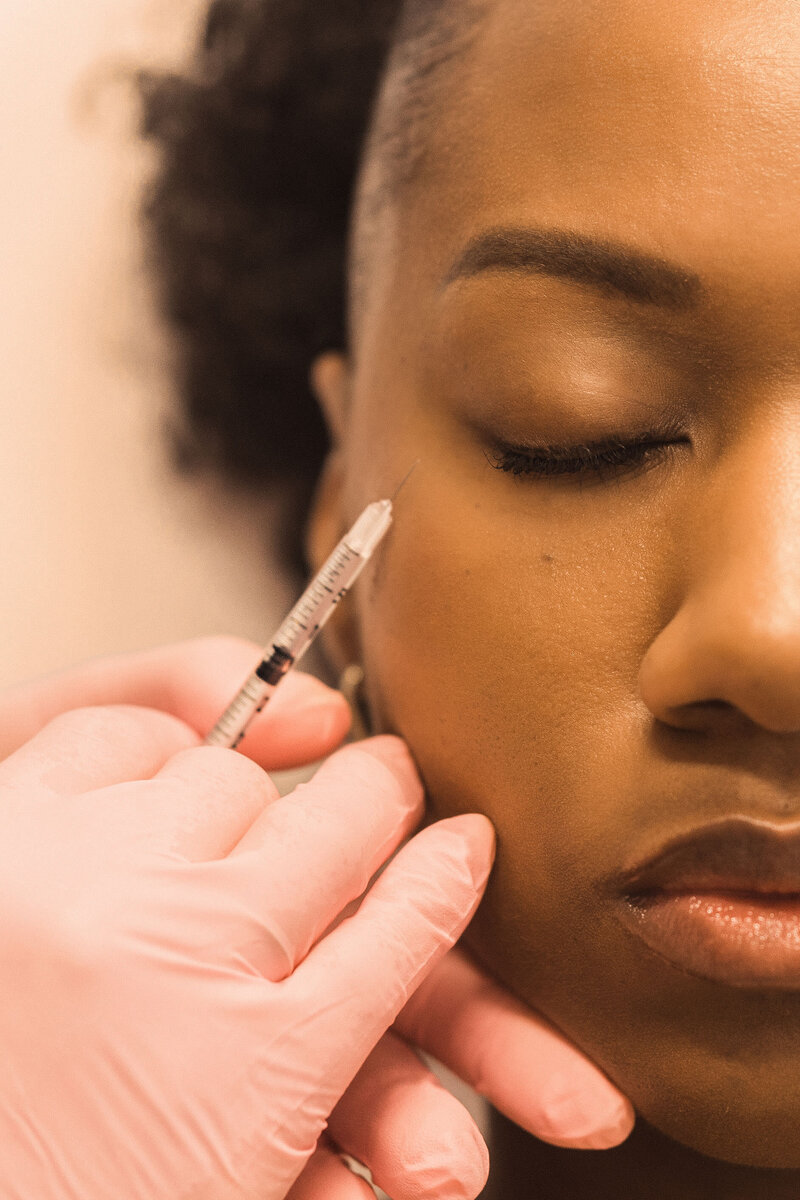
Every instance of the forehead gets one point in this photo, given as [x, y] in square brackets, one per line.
[669, 123]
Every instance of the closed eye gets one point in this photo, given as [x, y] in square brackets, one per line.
[603, 459]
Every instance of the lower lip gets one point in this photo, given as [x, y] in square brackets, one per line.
[739, 939]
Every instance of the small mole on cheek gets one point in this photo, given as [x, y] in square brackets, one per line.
[547, 558]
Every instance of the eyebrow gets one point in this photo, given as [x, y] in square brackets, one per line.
[609, 266]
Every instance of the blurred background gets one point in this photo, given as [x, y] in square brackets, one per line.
[103, 547]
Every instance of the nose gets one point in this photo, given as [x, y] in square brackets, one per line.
[731, 653]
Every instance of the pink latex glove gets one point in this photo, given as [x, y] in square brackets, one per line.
[173, 1023]
[394, 1117]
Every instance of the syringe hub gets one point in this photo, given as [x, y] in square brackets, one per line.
[369, 528]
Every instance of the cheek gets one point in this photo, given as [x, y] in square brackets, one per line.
[505, 650]
[504, 646]
[508, 666]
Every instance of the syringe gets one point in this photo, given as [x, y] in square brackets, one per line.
[304, 622]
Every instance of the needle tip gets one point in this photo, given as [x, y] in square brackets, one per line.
[405, 479]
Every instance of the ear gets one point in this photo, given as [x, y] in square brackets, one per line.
[327, 522]
[330, 382]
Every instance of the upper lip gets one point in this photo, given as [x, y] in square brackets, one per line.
[735, 855]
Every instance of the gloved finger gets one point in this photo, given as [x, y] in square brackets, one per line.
[369, 965]
[89, 748]
[208, 799]
[312, 852]
[194, 681]
[416, 1139]
[513, 1057]
[325, 1177]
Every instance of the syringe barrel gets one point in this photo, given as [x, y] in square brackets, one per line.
[249, 700]
[319, 600]
[232, 725]
[332, 582]
[304, 622]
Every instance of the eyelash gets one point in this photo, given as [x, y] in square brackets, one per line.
[605, 459]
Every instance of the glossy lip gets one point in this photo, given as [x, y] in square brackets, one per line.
[721, 903]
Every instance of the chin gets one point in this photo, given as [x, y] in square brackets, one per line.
[745, 1115]
[716, 1070]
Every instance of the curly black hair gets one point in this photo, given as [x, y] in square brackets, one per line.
[248, 217]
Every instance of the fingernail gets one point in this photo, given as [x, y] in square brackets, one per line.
[478, 1165]
[575, 1121]
[323, 719]
[478, 832]
[613, 1132]
[334, 721]
[393, 753]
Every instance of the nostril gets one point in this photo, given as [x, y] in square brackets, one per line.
[705, 716]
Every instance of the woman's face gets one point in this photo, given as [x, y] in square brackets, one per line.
[604, 662]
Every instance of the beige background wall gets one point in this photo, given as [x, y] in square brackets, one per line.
[102, 548]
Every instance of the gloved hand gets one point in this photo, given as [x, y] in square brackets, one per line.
[173, 1023]
[394, 1117]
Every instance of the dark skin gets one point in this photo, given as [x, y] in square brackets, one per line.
[598, 663]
